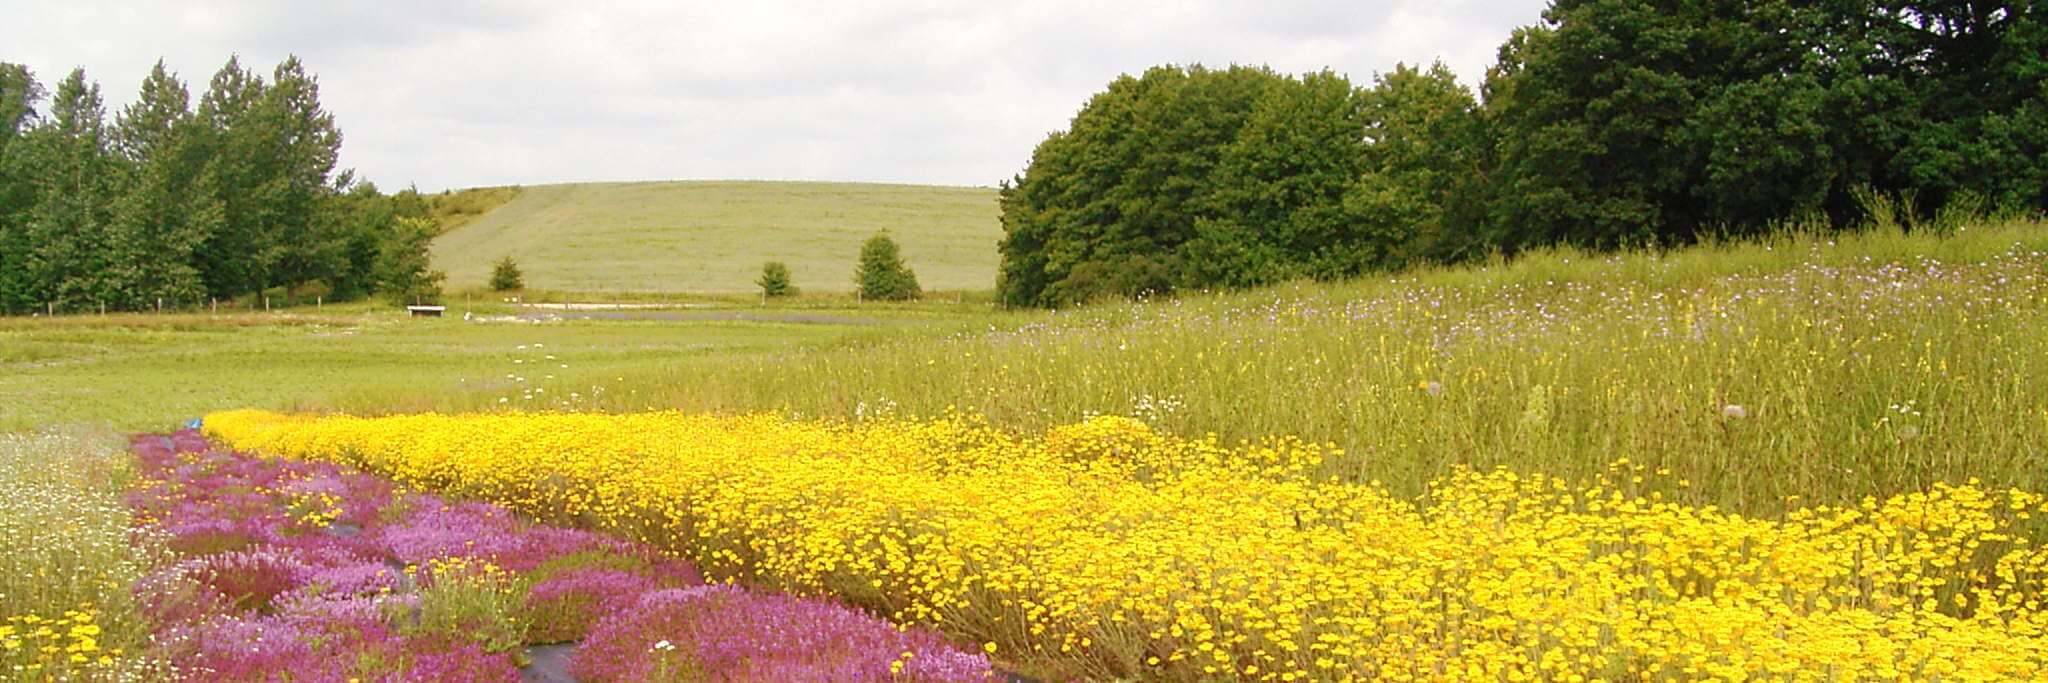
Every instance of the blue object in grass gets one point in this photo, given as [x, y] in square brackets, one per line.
[195, 423]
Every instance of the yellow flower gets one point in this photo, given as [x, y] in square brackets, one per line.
[1102, 540]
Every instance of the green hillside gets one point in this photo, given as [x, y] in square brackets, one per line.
[712, 237]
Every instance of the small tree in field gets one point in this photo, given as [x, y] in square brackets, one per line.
[881, 273]
[774, 280]
[505, 276]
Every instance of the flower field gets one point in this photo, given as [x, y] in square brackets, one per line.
[310, 571]
[1106, 549]
[68, 557]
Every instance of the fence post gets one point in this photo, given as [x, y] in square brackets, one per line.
[266, 303]
[159, 305]
[215, 303]
[50, 306]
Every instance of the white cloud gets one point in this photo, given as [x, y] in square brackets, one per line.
[453, 94]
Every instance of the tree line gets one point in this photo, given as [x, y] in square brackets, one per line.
[234, 198]
[1610, 124]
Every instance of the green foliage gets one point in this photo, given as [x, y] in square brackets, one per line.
[230, 200]
[299, 176]
[403, 273]
[774, 280]
[236, 256]
[158, 220]
[1424, 173]
[881, 274]
[505, 275]
[1613, 123]
[469, 602]
[20, 96]
[1188, 178]
[1106, 207]
[68, 227]
[1623, 122]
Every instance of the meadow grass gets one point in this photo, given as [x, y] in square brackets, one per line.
[714, 236]
[151, 372]
[68, 559]
[1797, 370]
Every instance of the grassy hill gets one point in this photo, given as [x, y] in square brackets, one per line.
[712, 237]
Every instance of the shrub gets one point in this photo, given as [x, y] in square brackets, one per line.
[881, 273]
[462, 601]
[505, 275]
[774, 280]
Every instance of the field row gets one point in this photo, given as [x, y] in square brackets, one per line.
[1106, 549]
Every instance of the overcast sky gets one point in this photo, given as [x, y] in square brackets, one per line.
[458, 94]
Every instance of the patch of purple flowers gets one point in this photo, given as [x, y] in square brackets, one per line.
[731, 634]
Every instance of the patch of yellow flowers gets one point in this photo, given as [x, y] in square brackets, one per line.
[32, 644]
[1107, 550]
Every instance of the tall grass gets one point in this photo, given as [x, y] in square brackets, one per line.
[67, 562]
[1801, 369]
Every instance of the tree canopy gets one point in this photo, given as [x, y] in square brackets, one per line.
[235, 197]
[1611, 123]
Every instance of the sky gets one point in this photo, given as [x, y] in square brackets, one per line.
[944, 92]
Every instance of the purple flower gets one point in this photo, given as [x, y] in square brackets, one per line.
[727, 633]
[351, 580]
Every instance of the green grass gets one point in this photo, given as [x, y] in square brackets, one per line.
[149, 372]
[668, 237]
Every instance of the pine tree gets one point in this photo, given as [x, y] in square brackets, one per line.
[505, 275]
[881, 273]
[774, 280]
